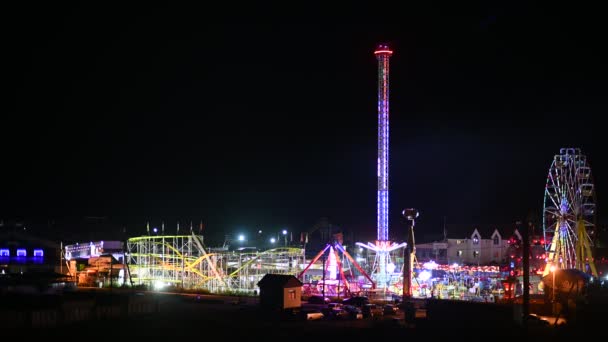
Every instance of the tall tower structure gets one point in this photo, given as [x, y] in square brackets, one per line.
[383, 54]
[382, 247]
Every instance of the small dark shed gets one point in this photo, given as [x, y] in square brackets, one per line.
[280, 291]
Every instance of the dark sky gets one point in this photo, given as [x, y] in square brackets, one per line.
[267, 118]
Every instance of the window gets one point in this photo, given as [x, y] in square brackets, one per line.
[459, 253]
[5, 252]
[292, 294]
[475, 254]
[496, 241]
[475, 240]
[21, 252]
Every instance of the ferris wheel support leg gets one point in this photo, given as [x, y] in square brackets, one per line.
[585, 249]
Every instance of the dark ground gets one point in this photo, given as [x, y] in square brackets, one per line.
[180, 317]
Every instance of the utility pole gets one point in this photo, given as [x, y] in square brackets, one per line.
[526, 265]
[61, 257]
[323, 291]
[111, 282]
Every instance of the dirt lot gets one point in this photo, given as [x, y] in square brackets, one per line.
[230, 319]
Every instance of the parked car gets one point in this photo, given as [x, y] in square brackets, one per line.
[371, 310]
[390, 309]
[318, 300]
[356, 301]
[310, 315]
[535, 320]
[335, 313]
[353, 312]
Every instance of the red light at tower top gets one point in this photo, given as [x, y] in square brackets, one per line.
[383, 49]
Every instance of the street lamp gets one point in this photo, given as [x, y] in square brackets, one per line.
[285, 236]
[273, 240]
[409, 253]
[241, 237]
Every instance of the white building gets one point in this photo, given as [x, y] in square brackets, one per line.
[475, 248]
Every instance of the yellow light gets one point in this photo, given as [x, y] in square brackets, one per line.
[552, 268]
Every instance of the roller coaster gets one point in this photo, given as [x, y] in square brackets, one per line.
[183, 261]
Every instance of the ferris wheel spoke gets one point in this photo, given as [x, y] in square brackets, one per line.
[552, 211]
[551, 196]
[572, 198]
[566, 252]
[572, 187]
[555, 182]
[571, 231]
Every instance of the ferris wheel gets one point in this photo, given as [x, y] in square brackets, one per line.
[569, 213]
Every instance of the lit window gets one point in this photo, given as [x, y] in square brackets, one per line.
[38, 253]
[475, 240]
[475, 254]
[459, 253]
[21, 252]
[4, 252]
[292, 294]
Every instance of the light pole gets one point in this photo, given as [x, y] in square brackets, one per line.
[285, 236]
[408, 254]
[553, 269]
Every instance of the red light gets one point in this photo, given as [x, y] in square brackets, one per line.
[383, 51]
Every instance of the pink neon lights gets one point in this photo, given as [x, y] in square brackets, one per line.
[377, 52]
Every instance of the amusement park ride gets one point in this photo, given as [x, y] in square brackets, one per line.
[383, 267]
[338, 276]
[383, 246]
[569, 213]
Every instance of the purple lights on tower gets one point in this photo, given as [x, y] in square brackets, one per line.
[383, 54]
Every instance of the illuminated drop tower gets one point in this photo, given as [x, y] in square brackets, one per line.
[382, 55]
[382, 247]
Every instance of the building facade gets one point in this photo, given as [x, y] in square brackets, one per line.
[493, 247]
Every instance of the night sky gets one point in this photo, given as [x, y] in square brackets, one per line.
[267, 118]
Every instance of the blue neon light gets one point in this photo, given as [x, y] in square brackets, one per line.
[21, 252]
[38, 253]
[4, 252]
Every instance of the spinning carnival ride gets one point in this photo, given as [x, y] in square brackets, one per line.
[337, 274]
[569, 213]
